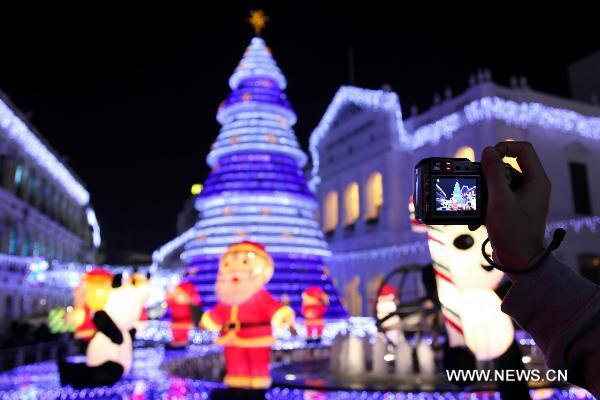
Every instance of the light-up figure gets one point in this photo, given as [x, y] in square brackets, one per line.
[314, 306]
[184, 306]
[244, 315]
[465, 285]
[89, 296]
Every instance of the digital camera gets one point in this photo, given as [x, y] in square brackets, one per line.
[452, 191]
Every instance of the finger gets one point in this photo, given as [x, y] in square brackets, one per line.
[495, 173]
[528, 160]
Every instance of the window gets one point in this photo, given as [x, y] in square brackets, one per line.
[465, 152]
[26, 249]
[330, 211]
[13, 241]
[32, 187]
[351, 204]
[374, 196]
[580, 188]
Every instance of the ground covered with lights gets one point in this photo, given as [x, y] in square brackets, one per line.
[164, 374]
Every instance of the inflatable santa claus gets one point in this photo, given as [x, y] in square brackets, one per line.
[314, 307]
[245, 313]
[184, 306]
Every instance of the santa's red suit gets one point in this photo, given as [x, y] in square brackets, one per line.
[181, 303]
[247, 337]
[245, 314]
[314, 307]
[86, 330]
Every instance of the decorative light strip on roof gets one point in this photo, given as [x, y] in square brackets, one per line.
[521, 114]
[18, 131]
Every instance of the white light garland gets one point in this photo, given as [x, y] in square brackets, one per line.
[218, 152]
[281, 198]
[243, 220]
[381, 252]
[217, 250]
[375, 99]
[18, 131]
[520, 114]
[575, 224]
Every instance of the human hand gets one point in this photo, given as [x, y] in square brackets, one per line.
[516, 220]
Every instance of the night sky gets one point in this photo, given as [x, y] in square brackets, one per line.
[129, 98]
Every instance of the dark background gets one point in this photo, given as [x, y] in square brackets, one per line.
[128, 97]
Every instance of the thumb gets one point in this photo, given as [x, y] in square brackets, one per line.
[495, 173]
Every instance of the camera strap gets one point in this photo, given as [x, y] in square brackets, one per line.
[557, 238]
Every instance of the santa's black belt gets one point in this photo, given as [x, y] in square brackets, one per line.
[234, 326]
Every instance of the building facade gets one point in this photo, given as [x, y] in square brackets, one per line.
[364, 155]
[45, 214]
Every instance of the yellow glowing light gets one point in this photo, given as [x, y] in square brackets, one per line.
[512, 161]
[197, 188]
[258, 20]
[246, 97]
[465, 152]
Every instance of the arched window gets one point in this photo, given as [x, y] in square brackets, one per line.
[330, 214]
[351, 204]
[465, 152]
[374, 195]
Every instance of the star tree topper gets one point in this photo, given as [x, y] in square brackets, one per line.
[258, 20]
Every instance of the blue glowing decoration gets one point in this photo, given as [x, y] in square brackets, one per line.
[257, 190]
[37, 271]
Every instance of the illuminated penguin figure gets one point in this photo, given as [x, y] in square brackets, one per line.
[245, 314]
[465, 286]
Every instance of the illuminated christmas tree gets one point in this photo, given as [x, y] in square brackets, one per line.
[457, 195]
[257, 190]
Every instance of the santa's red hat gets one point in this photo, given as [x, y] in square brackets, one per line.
[317, 293]
[98, 275]
[388, 290]
[248, 246]
[189, 289]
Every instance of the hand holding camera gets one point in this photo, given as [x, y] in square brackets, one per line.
[513, 206]
[516, 219]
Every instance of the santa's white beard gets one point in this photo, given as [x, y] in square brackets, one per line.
[237, 293]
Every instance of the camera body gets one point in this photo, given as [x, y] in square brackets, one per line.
[449, 191]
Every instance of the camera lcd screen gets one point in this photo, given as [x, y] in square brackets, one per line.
[455, 194]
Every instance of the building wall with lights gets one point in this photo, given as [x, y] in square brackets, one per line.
[363, 134]
[45, 213]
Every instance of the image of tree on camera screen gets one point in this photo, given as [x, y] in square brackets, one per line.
[456, 194]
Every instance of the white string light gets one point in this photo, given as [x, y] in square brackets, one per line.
[18, 131]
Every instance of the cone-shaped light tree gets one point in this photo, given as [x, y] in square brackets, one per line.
[257, 190]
